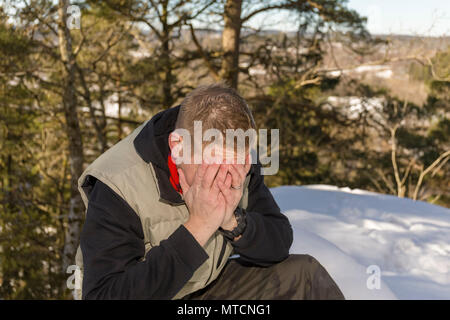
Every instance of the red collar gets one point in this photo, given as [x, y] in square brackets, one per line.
[174, 178]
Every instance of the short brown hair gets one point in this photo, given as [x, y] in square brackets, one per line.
[217, 106]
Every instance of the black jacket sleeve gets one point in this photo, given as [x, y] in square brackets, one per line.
[268, 235]
[112, 243]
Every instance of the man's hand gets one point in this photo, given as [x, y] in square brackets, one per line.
[205, 202]
[232, 175]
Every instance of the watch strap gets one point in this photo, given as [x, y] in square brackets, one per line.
[240, 215]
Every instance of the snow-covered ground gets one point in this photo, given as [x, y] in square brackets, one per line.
[354, 233]
[353, 107]
[379, 71]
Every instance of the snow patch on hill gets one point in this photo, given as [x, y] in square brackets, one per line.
[349, 230]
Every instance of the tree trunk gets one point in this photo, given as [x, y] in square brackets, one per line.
[99, 126]
[119, 108]
[230, 42]
[73, 132]
[165, 59]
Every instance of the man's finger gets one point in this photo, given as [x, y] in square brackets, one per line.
[200, 173]
[222, 174]
[225, 190]
[236, 179]
[248, 163]
[221, 201]
[240, 170]
[220, 177]
[228, 180]
[225, 185]
[210, 175]
[183, 182]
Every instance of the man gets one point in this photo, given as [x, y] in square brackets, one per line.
[159, 229]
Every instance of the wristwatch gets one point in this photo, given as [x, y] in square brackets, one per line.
[239, 213]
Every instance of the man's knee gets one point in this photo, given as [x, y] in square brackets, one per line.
[296, 267]
[306, 265]
[297, 262]
[307, 270]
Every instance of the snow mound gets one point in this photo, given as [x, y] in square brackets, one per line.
[348, 231]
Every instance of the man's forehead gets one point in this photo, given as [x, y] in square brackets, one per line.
[215, 151]
[224, 155]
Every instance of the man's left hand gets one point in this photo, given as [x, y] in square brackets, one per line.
[230, 180]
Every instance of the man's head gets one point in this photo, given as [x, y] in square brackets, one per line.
[215, 108]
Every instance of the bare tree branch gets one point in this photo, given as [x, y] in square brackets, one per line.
[443, 156]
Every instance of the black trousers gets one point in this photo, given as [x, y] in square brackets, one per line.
[298, 277]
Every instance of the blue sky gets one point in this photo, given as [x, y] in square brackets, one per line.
[410, 17]
[423, 17]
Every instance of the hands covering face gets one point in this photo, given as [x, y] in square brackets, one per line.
[215, 193]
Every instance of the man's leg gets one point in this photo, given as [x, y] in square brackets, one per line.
[297, 277]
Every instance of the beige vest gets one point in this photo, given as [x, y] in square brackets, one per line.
[125, 172]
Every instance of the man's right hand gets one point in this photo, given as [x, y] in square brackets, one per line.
[205, 202]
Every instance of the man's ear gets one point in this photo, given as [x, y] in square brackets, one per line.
[174, 140]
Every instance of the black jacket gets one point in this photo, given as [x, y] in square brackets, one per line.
[112, 240]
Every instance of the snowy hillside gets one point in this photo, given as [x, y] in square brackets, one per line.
[350, 230]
